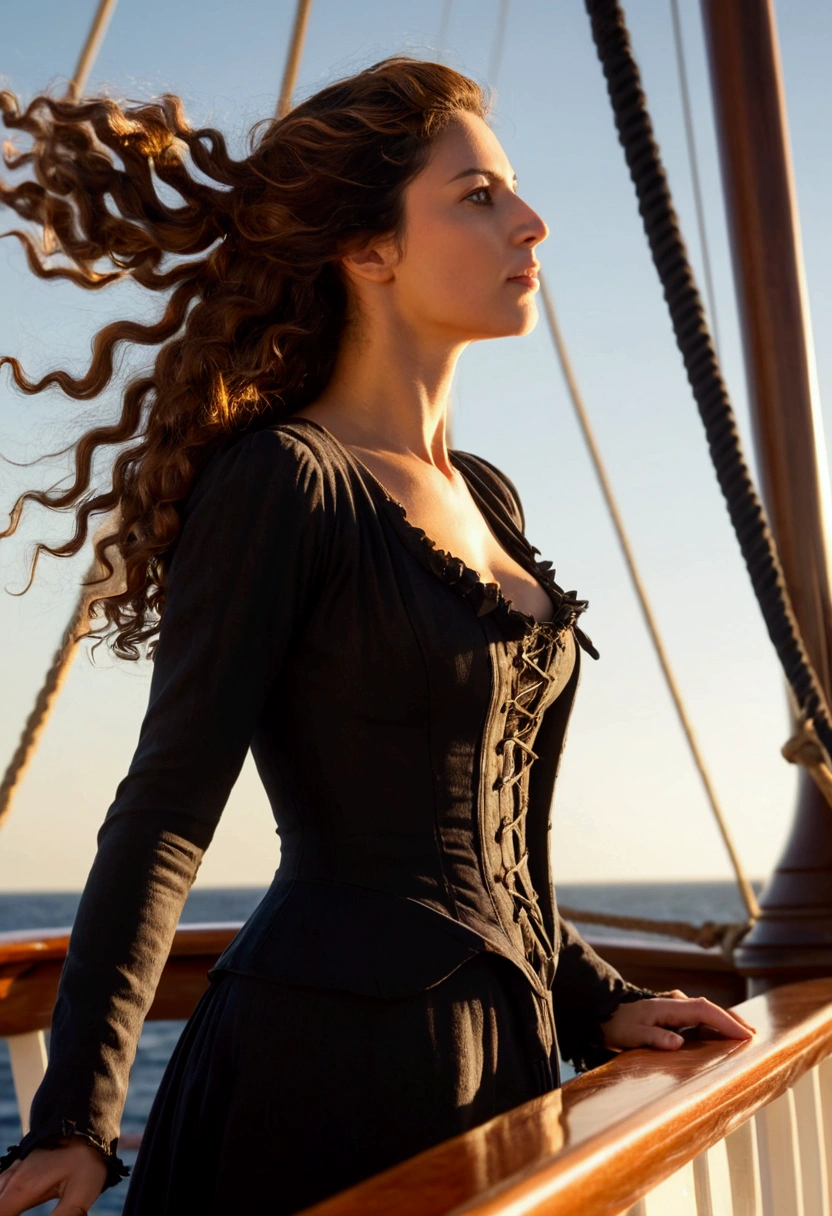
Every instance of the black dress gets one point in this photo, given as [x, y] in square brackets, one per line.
[407, 975]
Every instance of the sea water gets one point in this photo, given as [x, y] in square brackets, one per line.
[687, 901]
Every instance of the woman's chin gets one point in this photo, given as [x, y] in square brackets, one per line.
[507, 327]
[523, 324]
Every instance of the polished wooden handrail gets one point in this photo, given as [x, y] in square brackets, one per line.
[610, 1136]
[594, 1147]
[205, 940]
[30, 967]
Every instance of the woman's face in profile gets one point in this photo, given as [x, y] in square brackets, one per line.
[466, 234]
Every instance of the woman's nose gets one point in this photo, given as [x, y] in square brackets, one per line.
[533, 227]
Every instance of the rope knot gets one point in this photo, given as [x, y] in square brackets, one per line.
[805, 748]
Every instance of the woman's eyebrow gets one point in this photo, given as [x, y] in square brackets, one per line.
[488, 173]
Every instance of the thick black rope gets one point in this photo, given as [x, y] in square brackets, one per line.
[635, 131]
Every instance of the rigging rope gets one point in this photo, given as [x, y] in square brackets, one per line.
[444, 22]
[48, 694]
[91, 48]
[746, 890]
[710, 934]
[64, 655]
[290, 72]
[745, 508]
[703, 936]
[693, 160]
[498, 44]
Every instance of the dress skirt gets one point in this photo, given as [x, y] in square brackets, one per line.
[278, 1096]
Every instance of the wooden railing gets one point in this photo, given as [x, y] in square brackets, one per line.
[30, 967]
[716, 1129]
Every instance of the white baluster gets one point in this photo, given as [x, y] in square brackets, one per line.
[825, 1087]
[807, 1105]
[702, 1186]
[744, 1170]
[27, 1053]
[779, 1151]
[676, 1196]
[712, 1182]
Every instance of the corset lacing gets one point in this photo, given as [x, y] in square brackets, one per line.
[535, 673]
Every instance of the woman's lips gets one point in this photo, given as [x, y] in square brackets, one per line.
[527, 280]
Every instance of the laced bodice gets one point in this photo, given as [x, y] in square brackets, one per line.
[408, 739]
[532, 665]
[538, 671]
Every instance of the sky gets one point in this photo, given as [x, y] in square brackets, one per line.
[629, 805]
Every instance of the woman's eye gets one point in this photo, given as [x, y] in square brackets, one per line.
[486, 190]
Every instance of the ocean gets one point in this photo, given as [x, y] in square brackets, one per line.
[692, 901]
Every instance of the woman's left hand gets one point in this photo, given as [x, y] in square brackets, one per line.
[647, 1023]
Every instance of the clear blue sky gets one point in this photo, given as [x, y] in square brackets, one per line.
[629, 805]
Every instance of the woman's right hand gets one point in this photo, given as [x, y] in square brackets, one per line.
[75, 1173]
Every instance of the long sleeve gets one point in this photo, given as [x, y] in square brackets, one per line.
[585, 993]
[242, 581]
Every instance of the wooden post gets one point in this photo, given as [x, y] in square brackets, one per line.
[793, 938]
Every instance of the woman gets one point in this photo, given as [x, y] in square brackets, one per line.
[359, 605]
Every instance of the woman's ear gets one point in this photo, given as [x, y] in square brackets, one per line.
[374, 262]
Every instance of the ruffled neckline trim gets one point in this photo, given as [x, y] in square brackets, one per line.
[486, 599]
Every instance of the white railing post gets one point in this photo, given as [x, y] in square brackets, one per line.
[712, 1182]
[27, 1054]
[825, 1090]
[777, 1163]
[744, 1170]
[675, 1196]
[702, 1186]
[780, 1178]
[810, 1137]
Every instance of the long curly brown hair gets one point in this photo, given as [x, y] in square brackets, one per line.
[251, 328]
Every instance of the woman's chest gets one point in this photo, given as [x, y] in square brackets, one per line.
[406, 638]
[445, 510]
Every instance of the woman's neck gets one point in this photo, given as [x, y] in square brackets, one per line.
[390, 397]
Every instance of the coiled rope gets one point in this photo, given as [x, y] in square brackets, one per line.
[725, 935]
[661, 227]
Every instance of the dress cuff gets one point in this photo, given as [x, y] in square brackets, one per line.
[593, 1052]
[52, 1134]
